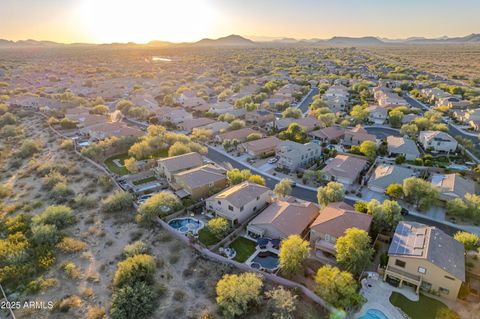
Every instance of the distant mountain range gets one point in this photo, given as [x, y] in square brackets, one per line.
[239, 41]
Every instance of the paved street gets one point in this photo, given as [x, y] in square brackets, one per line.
[307, 100]
[311, 194]
[382, 132]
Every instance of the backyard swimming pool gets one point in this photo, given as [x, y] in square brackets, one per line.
[186, 225]
[374, 314]
[265, 259]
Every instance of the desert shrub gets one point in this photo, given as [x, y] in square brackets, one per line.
[59, 215]
[135, 269]
[96, 313]
[68, 302]
[117, 202]
[66, 145]
[5, 191]
[60, 192]
[105, 182]
[71, 245]
[45, 234]
[40, 284]
[135, 301]
[136, 248]
[52, 179]
[28, 148]
[71, 270]
[85, 201]
[50, 166]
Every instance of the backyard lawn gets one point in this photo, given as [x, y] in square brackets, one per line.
[112, 167]
[144, 180]
[244, 248]
[206, 237]
[424, 308]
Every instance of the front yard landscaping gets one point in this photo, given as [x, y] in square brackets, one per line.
[244, 248]
[114, 168]
[424, 308]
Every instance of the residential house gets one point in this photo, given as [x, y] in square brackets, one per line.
[259, 117]
[387, 174]
[239, 135]
[189, 99]
[331, 224]
[221, 108]
[261, 147]
[453, 102]
[426, 258]
[451, 186]
[190, 124]
[402, 146]
[104, 130]
[329, 134]
[239, 202]
[282, 219]
[437, 141]
[293, 155]
[378, 114]
[344, 169]
[216, 127]
[200, 181]
[176, 116]
[171, 165]
[307, 123]
[470, 117]
[357, 136]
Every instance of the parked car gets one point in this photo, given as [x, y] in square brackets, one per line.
[273, 160]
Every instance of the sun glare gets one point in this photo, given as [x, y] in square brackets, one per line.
[145, 20]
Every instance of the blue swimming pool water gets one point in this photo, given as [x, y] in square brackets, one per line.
[374, 314]
[267, 259]
[185, 224]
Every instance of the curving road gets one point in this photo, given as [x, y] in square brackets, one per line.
[307, 100]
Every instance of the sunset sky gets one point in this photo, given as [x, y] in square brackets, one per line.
[141, 21]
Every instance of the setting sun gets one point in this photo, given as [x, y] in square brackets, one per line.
[146, 20]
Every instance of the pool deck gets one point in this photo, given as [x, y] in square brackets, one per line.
[378, 294]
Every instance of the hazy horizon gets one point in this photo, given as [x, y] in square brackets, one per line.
[142, 21]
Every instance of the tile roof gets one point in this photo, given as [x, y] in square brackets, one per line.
[241, 194]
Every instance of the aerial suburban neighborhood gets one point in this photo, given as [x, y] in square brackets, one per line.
[240, 178]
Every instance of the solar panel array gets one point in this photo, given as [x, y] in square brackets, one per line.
[408, 240]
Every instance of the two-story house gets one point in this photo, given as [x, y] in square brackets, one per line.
[200, 181]
[426, 258]
[239, 202]
[293, 155]
[169, 166]
[438, 141]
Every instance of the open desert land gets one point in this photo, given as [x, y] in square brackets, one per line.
[457, 61]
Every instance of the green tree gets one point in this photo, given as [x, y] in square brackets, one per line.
[237, 293]
[369, 149]
[218, 227]
[236, 176]
[394, 191]
[282, 302]
[395, 118]
[292, 112]
[354, 252]
[99, 109]
[420, 192]
[236, 124]
[293, 252]
[283, 188]
[470, 241]
[254, 136]
[158, 205]
[359, 114]
[137, 301]
[332, 192]
[327, 119]
[294, 133]
[411, 130]
[178, 148]
[337, 287]
[257, 179]
[138, 268]
[61, 216]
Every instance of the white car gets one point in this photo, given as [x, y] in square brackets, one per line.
[273, 160]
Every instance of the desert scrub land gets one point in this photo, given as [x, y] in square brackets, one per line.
[454, 61]
[58, 245]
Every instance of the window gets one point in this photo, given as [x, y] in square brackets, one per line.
[219, 203]
[400, 263]
[422, 270]
[230, 208]
[450, 278]
[241, 209]
[255, 208]
[444, 291]
[258, 197]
